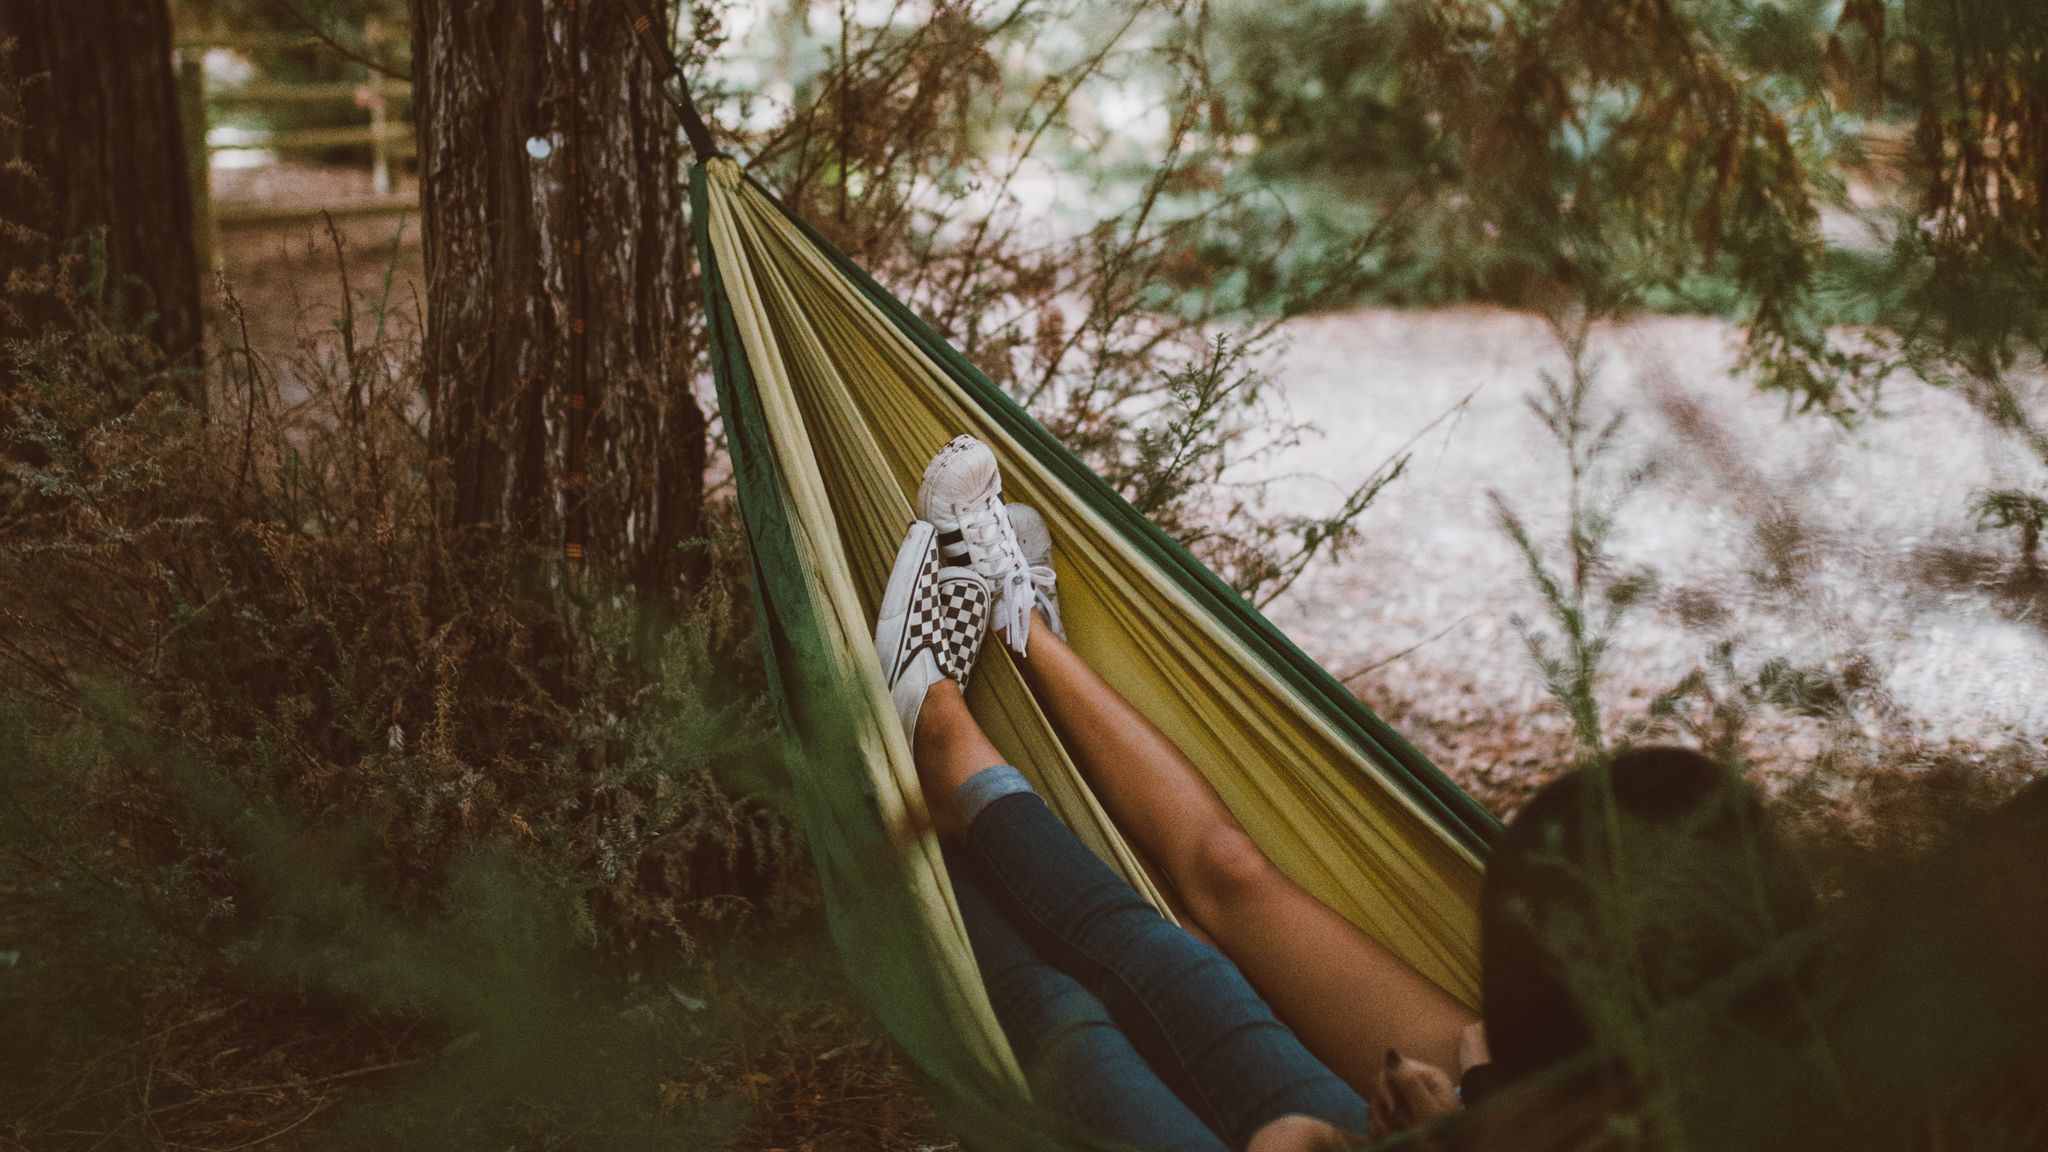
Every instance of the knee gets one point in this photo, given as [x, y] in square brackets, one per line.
[1228, 870]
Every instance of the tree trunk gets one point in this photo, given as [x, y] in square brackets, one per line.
[552, 191]
[93, 157]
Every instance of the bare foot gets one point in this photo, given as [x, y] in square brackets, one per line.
[1300, 1134]
[1409, 1092]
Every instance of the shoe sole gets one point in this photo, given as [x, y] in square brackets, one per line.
[894, 614]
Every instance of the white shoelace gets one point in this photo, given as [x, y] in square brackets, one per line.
[995, 554]
[1042, 588]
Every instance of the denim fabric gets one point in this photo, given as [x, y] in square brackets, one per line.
[1184, 1006]
[1077, 1061]
[985, 788]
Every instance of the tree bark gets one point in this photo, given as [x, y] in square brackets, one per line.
[552, 190]
[92, 160]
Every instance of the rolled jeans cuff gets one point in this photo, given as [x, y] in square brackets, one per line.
[985, 788]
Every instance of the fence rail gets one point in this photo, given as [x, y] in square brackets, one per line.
[388, 137]
[397, 138]
[253, 215]
[337, 92]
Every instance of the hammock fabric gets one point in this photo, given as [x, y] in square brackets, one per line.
[834, 395]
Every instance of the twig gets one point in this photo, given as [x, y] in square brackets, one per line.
[1357, 501]
[265, 1139]
[306, 1082]
[1376, 665]
[92, 1063]
[249, 407]
[343, 50]
[348, 323]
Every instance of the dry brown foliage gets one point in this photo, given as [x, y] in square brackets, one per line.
[264, 712]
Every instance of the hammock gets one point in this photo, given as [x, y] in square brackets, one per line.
[834, 395]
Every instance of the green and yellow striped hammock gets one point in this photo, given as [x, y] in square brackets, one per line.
[834, 395]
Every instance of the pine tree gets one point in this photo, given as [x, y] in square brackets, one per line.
[558, 347]
[92, 164]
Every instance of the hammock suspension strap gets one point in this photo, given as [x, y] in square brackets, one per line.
[654, 45]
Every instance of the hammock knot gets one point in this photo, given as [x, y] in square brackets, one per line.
[724, 172]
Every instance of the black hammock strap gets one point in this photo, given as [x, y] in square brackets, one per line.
[654, 45]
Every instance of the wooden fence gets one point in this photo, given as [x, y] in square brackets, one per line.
[386, 129]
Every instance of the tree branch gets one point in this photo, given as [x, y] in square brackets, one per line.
[341, 49]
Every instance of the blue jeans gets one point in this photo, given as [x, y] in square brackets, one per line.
[1133, 1027]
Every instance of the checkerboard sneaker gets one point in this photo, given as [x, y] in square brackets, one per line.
[1034, 539]
[931, 624]
[962, 497]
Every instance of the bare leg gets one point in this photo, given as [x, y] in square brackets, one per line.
[1346, 996]
[951, 749]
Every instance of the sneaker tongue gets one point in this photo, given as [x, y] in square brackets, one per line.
[981, 534]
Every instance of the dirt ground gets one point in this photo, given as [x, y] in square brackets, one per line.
[1850, 549]
[287, 275]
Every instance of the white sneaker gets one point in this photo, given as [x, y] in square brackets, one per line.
[962, 497]
[1034, 539]
[931, 623]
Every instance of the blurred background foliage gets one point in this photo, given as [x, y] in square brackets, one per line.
[364, 42]
[322, 824]
[1790, 165]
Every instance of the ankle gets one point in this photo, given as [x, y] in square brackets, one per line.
[943, 705]
[1041, 631]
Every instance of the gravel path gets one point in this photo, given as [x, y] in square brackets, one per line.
[1793, 538]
